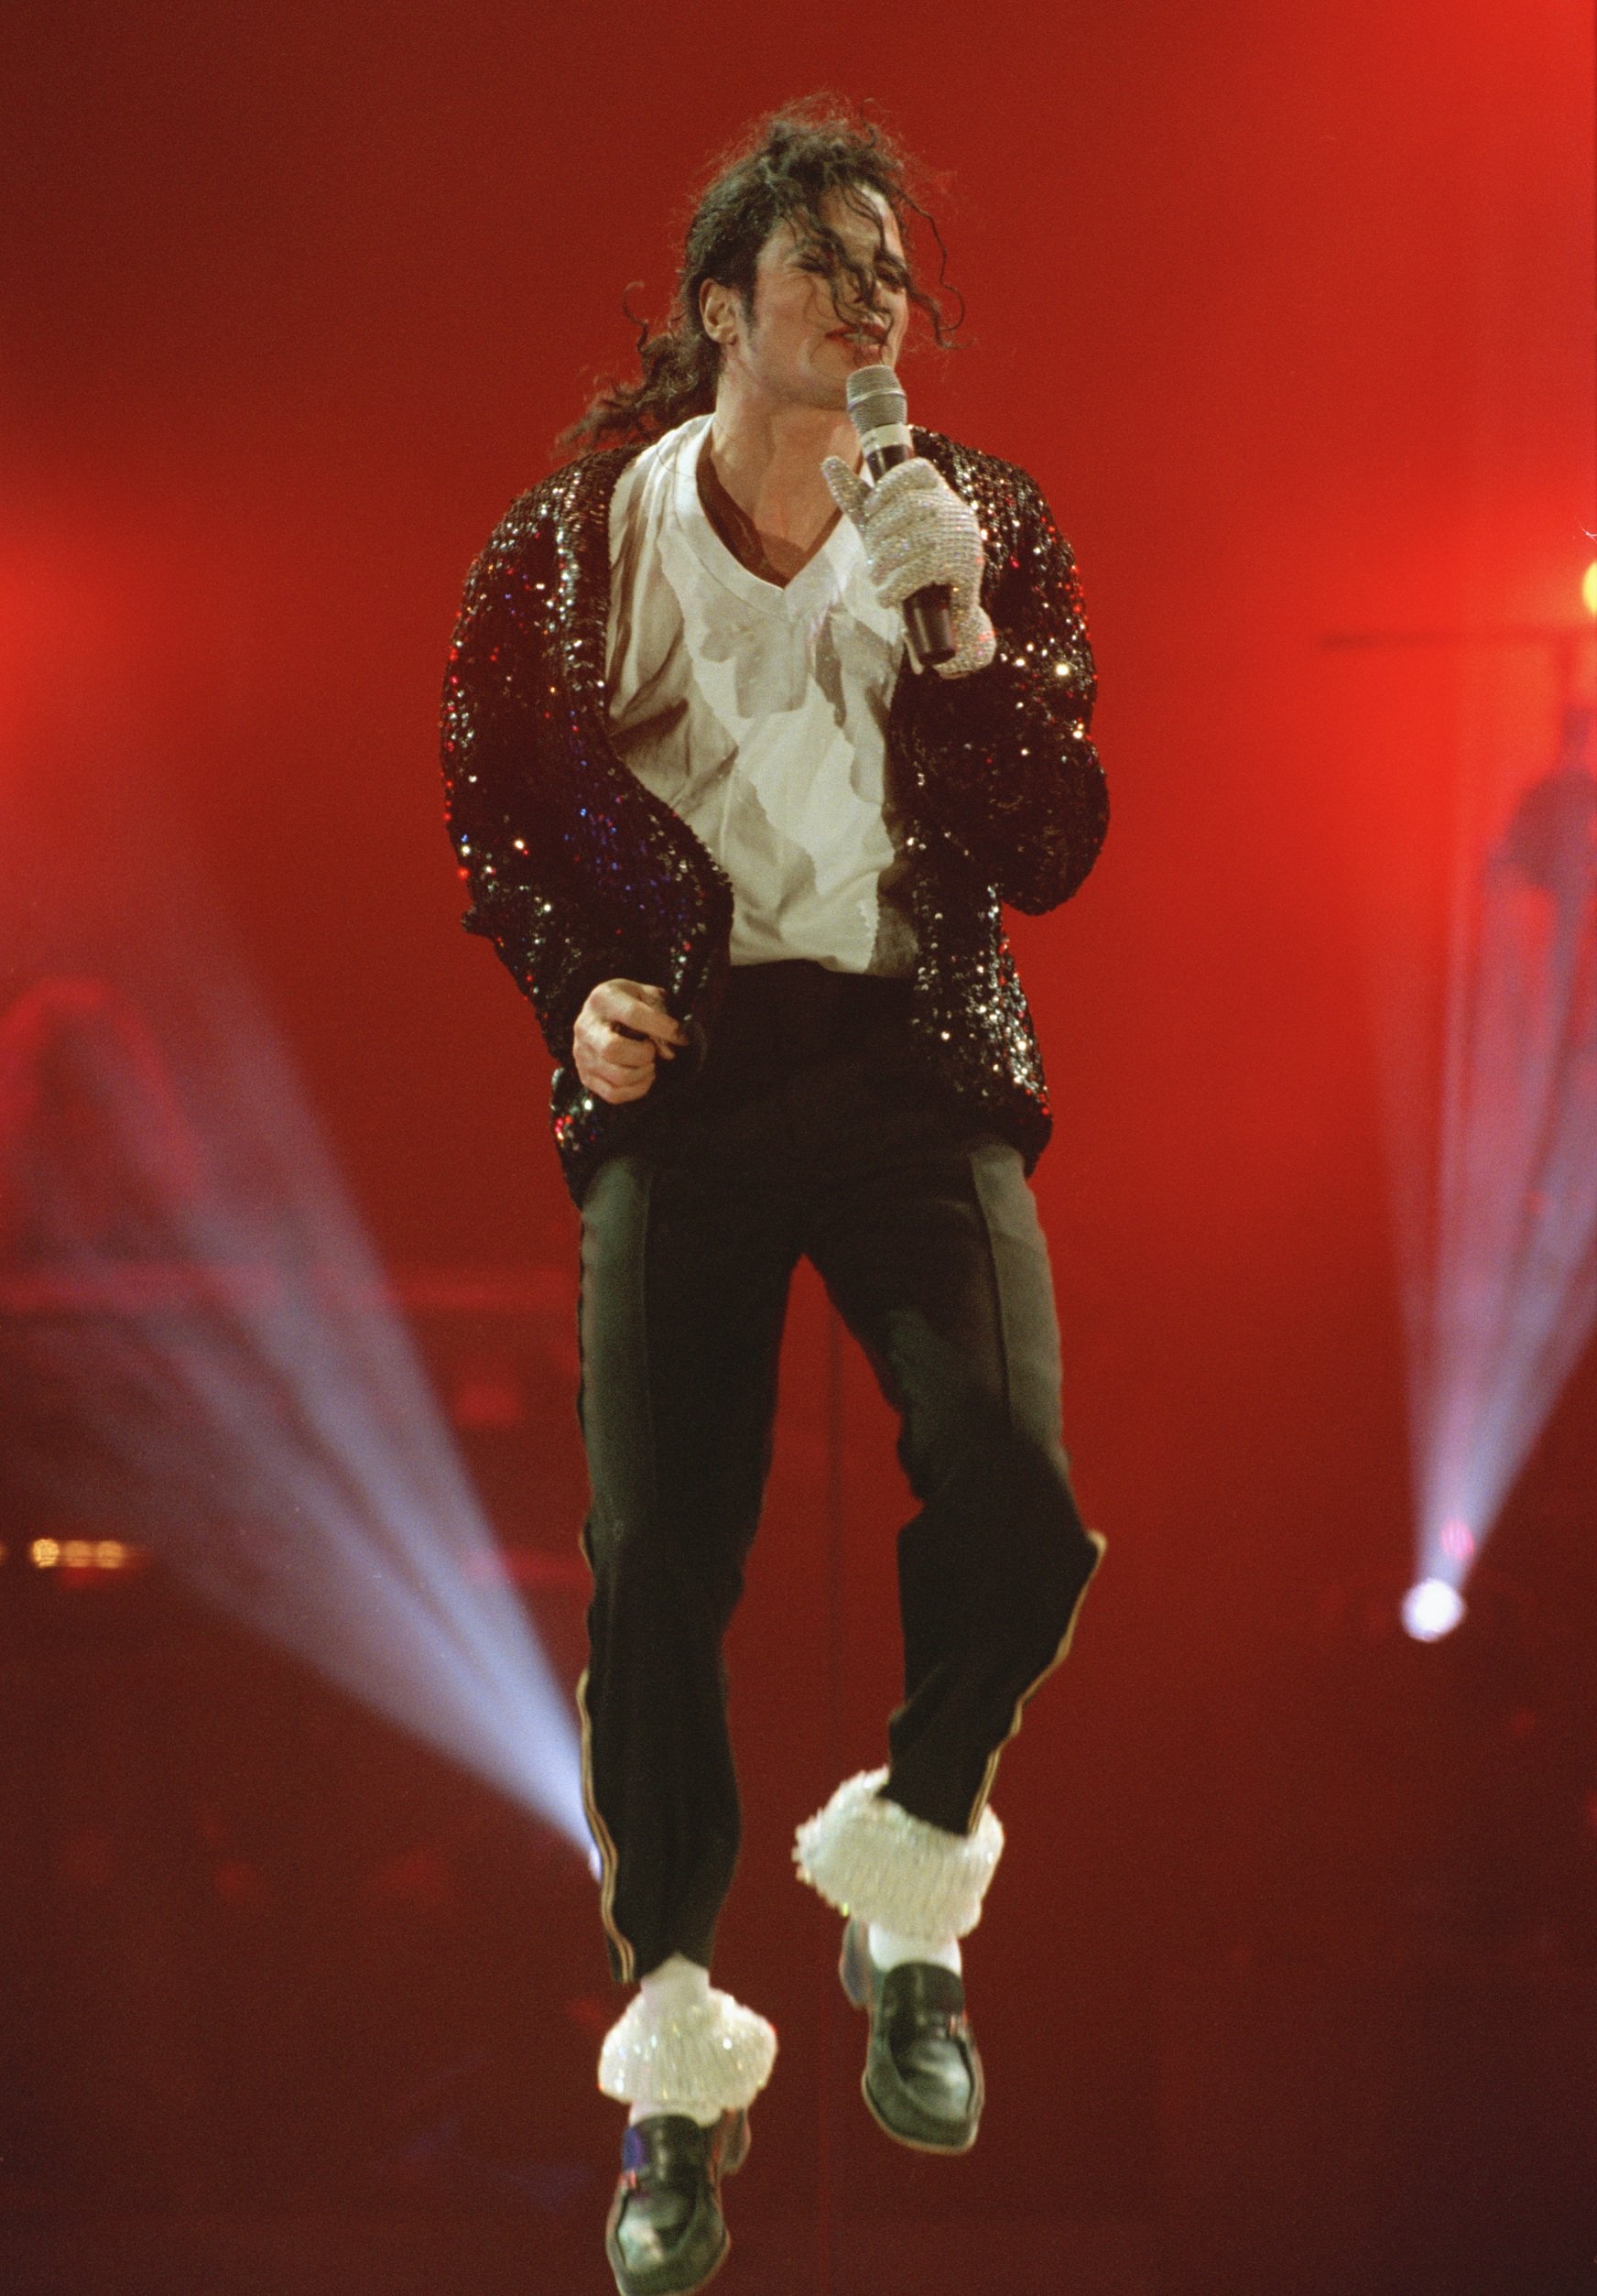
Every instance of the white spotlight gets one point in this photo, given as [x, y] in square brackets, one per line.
[1431, 1609]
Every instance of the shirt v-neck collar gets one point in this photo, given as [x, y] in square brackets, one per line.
[819, 577]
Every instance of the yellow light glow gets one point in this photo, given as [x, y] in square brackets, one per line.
[78, 1554]
[46, 1553]
[1589, 587]
[109, 1554]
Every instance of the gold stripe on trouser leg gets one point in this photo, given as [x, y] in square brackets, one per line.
[608, 1861]
[1100, 1543]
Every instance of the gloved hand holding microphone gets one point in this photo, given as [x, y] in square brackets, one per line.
[923, 546]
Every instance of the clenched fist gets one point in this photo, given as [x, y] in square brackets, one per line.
[621, 1031]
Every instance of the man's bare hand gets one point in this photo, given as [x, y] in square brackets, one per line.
[621, 1031]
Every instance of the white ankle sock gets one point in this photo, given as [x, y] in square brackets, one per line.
[889, 1948]
[676, 1985]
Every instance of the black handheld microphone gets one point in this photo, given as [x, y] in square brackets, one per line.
[880, 413]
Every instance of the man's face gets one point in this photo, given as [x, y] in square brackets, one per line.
[808, 330]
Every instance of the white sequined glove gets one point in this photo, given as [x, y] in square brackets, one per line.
[917, 531]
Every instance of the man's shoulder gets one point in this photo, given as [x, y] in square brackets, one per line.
[973, 462]
[570, 496]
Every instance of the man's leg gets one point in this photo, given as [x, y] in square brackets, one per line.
[684, 1283]
[682, 1314]
[935, 1258]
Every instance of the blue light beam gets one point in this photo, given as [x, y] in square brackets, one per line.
[223, 1368]
[1508, 1300]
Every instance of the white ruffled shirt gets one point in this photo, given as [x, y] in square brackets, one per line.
[759, 713]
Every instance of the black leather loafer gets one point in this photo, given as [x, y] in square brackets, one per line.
[923, 2075]
[665, 2235]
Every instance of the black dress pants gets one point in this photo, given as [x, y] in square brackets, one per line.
[814, 1129]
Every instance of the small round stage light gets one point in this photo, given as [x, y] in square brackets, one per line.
[1431, 1609]
[1589, 587]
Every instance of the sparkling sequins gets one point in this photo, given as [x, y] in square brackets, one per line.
[867, 1856]
[713, 2056]
[579, 874]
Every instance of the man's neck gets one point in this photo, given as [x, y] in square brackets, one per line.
[767, 458]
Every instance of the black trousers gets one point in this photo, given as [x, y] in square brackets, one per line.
[812, 1131]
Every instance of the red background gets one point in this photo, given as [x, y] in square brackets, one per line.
[1290, 310]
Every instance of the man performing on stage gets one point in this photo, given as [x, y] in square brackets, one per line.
[746, 854]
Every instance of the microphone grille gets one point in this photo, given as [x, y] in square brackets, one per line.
[875, 398]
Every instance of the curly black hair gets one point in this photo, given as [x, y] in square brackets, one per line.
[782, 173]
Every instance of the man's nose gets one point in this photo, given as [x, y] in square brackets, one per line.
[854, 311]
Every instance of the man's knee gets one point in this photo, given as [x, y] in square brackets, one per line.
[1049, 1553]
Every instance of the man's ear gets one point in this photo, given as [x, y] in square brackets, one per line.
[718, 311]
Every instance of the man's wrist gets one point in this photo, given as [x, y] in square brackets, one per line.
[977, 644]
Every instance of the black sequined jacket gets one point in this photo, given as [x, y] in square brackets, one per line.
[578, 873]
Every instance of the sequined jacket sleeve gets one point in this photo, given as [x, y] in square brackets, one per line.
[525, 895]
[1002, 761]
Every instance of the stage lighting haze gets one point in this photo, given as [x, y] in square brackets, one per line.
[1502, 1288]
[218, 1368]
